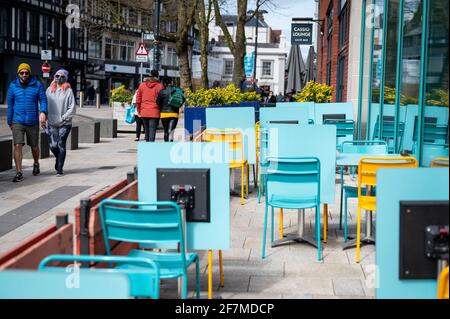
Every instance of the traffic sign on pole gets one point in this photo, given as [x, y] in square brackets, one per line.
[141, 53]
[46, 67]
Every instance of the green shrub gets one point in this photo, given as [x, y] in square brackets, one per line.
[314, 92]
[219, 96]
[121, 95]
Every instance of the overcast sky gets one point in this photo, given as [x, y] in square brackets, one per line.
[281, 16]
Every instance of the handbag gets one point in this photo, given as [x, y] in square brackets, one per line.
[129, 118]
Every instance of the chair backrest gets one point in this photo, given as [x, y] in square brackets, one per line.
[389, 132]
[287, 171]
[22, 284]
[147, 267]
[154, 223]
[368, 166]
[443, 284]
[232, 137]
[439, 162]
[343, 127]
[263, 145]
[257, 129]
[432, 133]
[365, 146]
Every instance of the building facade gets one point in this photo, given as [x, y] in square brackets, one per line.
[29, 26]
[333, 46]
[271, 53]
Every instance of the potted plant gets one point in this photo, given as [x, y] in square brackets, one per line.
[198, 101]
[314, 92]
[121, 99]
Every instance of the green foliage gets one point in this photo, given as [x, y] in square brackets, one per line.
[121, 95]
[437, 97]
[219, 96]
[314, 92]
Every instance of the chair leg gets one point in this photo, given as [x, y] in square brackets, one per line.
[358, 236]
[197, 277]
[247, 179]
[342, 192]
[255, 174]
[345, 217]
[242, 185]
[281, 223]
[185, 286]
[221, 269]
[266, 209]
[210, 263]
[272, 231]
[325, 222]
[259, 192]
[319, 248]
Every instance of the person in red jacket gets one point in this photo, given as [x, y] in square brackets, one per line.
[147, 108]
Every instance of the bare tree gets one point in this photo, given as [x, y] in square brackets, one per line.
[237, 46]
[203, 18]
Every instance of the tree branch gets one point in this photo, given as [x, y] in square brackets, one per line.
[222, 26]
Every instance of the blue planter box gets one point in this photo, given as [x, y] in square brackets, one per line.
[195, 117]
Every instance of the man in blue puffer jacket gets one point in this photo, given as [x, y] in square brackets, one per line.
[24, 116]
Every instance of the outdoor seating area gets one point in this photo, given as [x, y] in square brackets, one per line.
[158, 230]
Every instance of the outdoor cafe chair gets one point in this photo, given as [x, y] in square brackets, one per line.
[282, 174]
[143, 273]
[159, 224]
[237, 159]
[388, 133]
[367, 176]
[345, 129]
[369, 147]
[439, 162]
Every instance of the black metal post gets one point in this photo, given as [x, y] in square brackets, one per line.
[156, 55]
[256, 45]
[85, 207]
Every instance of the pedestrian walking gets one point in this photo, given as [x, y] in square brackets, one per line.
[147, 106]
[27, 108]
[170, 99]
[138, 120]
[61, 108]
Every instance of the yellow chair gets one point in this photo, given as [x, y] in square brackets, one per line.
[443, 284]
[367, 173]
[236, 143]
[439, 162]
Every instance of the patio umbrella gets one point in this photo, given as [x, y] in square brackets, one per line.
[296, 70]
[310, 68]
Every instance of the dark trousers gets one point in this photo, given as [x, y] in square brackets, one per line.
[150, 125]
[169, 125]
[57, 140]
[139, 126]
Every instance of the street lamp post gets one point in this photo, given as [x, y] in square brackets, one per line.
[250, 12]
[156, 55]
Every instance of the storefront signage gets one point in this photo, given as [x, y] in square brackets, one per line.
[301, 33]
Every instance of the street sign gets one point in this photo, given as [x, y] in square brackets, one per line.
[249, 62]
[46, 67]
[46, 54]
[301, 33]
[141, 53]
[149, 36]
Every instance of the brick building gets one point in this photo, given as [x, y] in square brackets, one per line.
[333, 46]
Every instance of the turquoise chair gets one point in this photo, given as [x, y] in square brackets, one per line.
[388, 133]
[144, 278]
[435, 142]
[345, 129]
[282, 174]
[369, 147]
[27, 284]
[158, 224]
[263, 163]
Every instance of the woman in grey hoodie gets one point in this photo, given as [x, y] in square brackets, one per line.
[61, 108]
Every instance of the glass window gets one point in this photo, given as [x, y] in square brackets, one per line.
[172, 58]
[228, 67]
[267, 68]
[343, 23]
[95, 49]
[133, 18]
[108, 49]
[435, 132]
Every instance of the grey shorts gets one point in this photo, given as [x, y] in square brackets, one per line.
[31, 131]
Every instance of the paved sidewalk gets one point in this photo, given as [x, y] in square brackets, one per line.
[289, 271]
